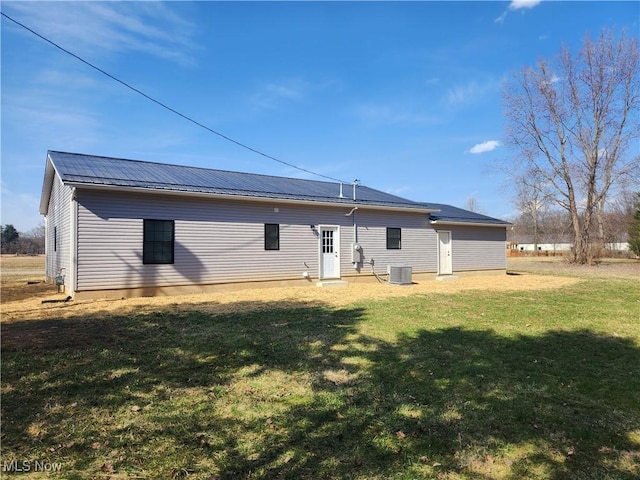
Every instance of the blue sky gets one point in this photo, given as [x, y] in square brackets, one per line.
[405, 96]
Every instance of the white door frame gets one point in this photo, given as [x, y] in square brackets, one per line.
[445, 268]
[336, 253]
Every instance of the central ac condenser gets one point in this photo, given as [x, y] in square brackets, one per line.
[399, 274]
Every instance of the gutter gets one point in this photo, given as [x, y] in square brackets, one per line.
[469, 224]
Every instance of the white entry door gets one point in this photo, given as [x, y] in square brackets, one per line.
[329, 252]
[444, 253]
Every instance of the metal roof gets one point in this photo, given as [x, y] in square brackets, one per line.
[451, 215]
[100, 172]
[78, 169]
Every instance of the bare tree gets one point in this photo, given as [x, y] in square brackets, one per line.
[21, 243]
[617, 218]
[571, 123]
[634, 229]
[32, 242]
[557, 227]
[532, 202]
[471, 204]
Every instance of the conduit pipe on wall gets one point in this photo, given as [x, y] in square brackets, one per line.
[352, 214]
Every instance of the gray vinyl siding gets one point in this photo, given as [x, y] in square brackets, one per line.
[222, 241]
[418, 241]
[478, 248]
[57, 258]
[215, 242]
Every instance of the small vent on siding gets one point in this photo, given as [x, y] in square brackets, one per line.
[399, 274]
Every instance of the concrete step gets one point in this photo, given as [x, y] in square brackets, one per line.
[332, 283]
[446, 277]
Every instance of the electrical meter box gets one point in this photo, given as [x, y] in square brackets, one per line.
[356, 253]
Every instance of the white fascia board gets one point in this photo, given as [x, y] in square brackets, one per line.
[446, 223]
[47, 185]
[181, 193]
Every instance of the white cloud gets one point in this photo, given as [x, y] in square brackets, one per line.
[19, 209]
[273, 94]
[501, 18]
[87, 28]
[62, 116]
[483, 147]
[518, 4]
[276, 93]
[470, 91]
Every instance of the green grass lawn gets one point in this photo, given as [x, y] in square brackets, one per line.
[536, 385]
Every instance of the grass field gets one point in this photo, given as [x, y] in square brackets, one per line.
[470, 384]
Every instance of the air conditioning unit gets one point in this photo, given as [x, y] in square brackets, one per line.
[399, 274]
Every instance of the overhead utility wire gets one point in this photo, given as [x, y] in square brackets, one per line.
[163, 105]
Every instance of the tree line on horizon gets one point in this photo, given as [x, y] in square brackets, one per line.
[542, 223]
[23, 243]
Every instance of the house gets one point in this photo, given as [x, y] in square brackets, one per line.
[119, 228]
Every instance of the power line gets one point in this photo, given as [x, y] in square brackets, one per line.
[165, 106]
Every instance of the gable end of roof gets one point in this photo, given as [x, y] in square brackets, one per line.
[47, 185]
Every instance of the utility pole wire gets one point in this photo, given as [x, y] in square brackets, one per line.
[165, 106]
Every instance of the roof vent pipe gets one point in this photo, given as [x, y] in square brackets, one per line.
[356, 182]
[341, 195]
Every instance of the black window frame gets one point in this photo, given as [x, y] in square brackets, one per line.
[157, 254]
[272, 236]
[55, 239]
[394, 242]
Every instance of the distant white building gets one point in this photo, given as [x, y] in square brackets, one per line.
[560, 247]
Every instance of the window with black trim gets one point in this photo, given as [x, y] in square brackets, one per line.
[159, 240]
[271, 236]
[55, 239]
[394, 237]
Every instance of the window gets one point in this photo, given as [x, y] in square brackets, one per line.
[271, 236]
[327, 241]
[55, 239]
[159, 236]
[393, 238]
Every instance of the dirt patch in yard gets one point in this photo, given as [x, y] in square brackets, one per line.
[22, 300]
[24, 290]
[262, 298]
[22, 278]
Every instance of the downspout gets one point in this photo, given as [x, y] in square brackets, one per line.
[355, 227]
[73, 244]
[356, 264]
[354, 246]
[47, 261]
[356, 182]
